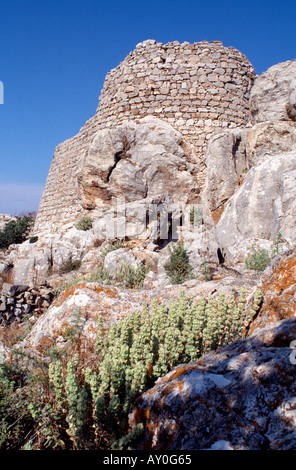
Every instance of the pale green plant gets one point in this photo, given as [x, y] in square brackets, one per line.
[84, 223]
[78, 406]
[257, 260]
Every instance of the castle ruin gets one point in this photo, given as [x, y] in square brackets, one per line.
[197, 88]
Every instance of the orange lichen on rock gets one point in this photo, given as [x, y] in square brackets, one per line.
[278, 291]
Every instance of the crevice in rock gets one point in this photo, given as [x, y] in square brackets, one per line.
[117, 158]
[255, 316]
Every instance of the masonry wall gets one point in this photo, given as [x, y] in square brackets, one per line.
[198, 88]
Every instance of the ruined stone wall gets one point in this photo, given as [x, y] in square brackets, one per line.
[197, 88]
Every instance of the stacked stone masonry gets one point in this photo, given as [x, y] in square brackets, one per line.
[197, 88]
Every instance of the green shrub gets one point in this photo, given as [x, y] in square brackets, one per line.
[116, 245]
[71, 265]
[277, 245]
[84, 223]
[132, 278]
[16, 231]
[15, 419]
[73, 402]
[205, 270]
[258, 260]
[178, 267]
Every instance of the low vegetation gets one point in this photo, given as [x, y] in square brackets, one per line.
[16, 231]
[75, 400]
[84, 223]
[259, 259]
[71, 265]
[130, 277]
[178, 267]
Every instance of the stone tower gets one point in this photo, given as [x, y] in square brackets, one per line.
[196, 88]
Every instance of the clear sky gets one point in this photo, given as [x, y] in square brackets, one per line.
[55, 55]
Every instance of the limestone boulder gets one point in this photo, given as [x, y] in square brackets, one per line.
[232, 153]
[241, 397]
[269, 138]
[263, 205]
[32, 263]
[226, 162]
[117, 258]
[273, 95]
[82, 304]
[138, 159]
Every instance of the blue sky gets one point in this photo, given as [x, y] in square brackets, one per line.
[55, 55]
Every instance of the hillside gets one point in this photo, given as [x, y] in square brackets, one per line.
[152, 305]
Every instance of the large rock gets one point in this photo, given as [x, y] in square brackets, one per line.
[278, 287]
[5, 219]
[232, 153]
[34, 262]
[263, 205]
[138, 159]
[240, 397]
[117, 258]
[273, 96]
[226, 162]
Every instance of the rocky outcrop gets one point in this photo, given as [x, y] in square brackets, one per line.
[139, 159]
[4, 219]
[232, 153]
[250, 188]
[273, 94]
[241, 397]
[263, 205]
[278, 287]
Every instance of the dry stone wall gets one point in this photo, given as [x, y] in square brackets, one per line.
[197, 88]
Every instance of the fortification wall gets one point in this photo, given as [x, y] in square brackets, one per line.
[197, 88]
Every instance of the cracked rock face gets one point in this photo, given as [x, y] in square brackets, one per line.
[239, 397]
[138, 159]
[263, 205]
[273, 95]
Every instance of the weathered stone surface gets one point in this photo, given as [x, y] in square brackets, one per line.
[270, 138]
[278, 286]
[117, 258]
[232, 153]
[4, 219]
[226, 162]
[34, 262]
[146, 158]
[273, 94]
[240, 397]
[263, 205]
